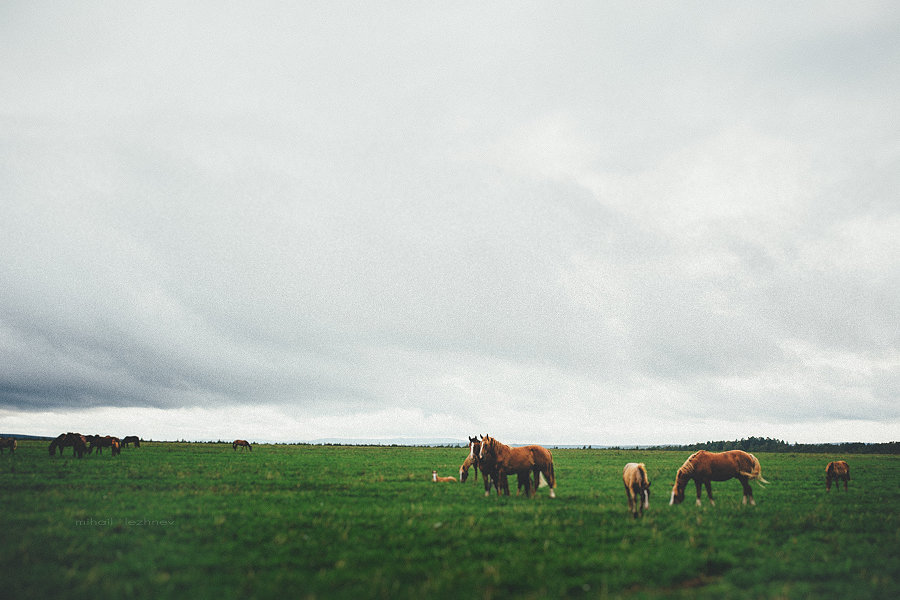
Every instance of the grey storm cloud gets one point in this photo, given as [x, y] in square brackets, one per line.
[572, 212]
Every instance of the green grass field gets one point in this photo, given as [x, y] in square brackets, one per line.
[202, 521]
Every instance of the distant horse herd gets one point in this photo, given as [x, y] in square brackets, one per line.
[497, 461]
[86, 444]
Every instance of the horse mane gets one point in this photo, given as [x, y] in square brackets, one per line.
[688, 467]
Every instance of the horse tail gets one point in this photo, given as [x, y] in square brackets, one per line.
[755, 471]
[643, 471]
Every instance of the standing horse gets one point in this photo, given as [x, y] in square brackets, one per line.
[104, 441]
[242, 443]
[637, 487]
[8, 443]
[704, 467]
[837, 470]
[488, 469]
[75, 440]
[131, 439]
[522, 461]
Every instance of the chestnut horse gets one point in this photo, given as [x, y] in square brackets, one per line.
[837, 470]
[75, 440]
[637, 488]
[488, 468]
[242, 443]
[704, 467]
[8, 443]
[522, 461]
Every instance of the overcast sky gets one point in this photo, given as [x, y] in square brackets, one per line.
[562, 223]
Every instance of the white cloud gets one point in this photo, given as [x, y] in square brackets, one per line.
[539, 223]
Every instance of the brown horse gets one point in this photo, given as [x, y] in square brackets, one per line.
[241, 443]
[104, 441]
[704, 467]
[436, 479]
[637, 487]
[837, 470]
[488, 469]
[522, 461]
[75, 440]
[8, 443]
[131, 439]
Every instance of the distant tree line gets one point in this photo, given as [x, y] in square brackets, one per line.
[758, 444]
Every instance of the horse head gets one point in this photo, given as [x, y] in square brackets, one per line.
[486, 442]
[681, 479]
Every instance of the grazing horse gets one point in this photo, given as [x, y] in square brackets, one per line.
[704, 467]
[241, 443]
[837, 470]
[104, 441]
[522, 461]
[436, 479]
[75, 440]
[8, 443]
[471, 461]
[131, 439]
[637, 487]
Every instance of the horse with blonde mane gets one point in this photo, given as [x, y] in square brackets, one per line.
[837, 470]
[523, 461]
[704, 467]
[637, 488]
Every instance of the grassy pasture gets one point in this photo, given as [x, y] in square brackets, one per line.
[202, 521]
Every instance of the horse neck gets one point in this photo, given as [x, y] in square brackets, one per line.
[498, 449]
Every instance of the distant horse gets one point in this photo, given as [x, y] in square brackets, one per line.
[242, 443]
[8, 443]
[436, 479]
[704, 467]
[104, 441]
[837, 470]
[75, 440]
[522, 461]
[637, 487]
[131, 439]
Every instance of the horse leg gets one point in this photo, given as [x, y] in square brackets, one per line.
[748, 492]
[709, 493]
[699, 488]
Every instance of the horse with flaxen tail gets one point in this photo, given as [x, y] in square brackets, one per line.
[837, 470]
[242, 443]
[704, 467]
[523, 461]
[637, 488]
